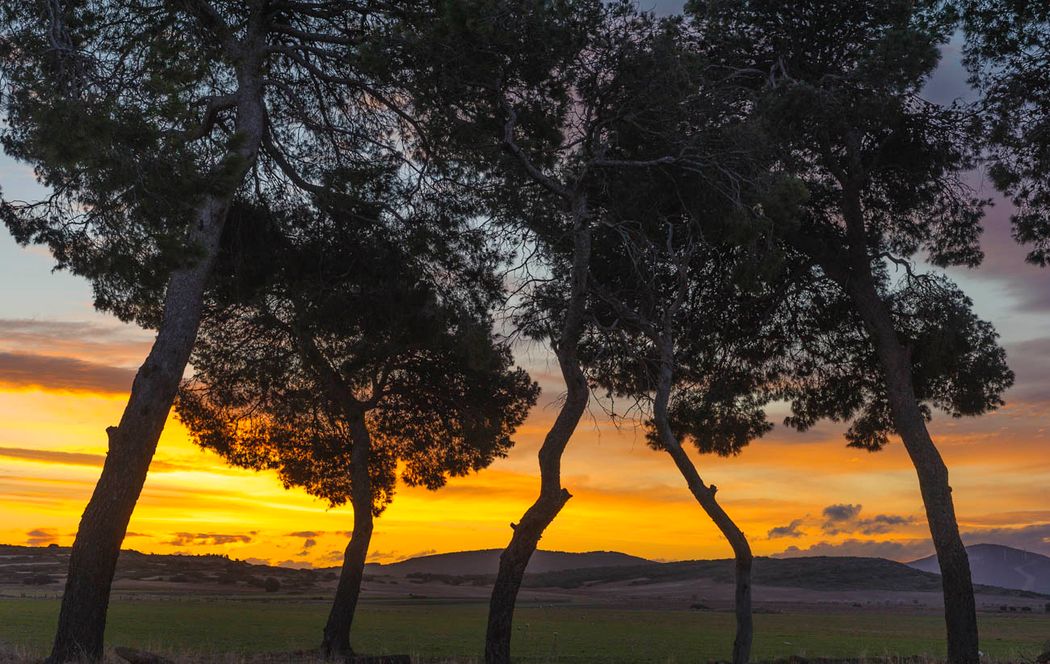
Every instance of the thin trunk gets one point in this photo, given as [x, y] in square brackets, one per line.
[527, 533]
[960, 611]
[336, 640]
[743, 558]
[705, 496]
[132, 443]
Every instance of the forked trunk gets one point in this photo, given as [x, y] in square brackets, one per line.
[132, 443]
[527, 533]
[960, 610]
[336, 640]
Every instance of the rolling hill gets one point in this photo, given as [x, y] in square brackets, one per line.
[486, 562]
[1016, 573]
[1003, 566]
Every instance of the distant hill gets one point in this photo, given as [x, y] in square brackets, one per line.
[486, 562]
[1004, 566]
[813, 573]
[45, 566]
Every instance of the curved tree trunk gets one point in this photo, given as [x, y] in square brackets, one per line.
[705, 495]
[527, 533]
[743, 557]
[960, 610]
[132, 443]
[336, 640]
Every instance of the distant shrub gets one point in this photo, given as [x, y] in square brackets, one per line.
[271, 585]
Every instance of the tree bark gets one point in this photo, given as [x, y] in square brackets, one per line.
[335, 643]
[527, 533]
[742, 555]
[133, 442]
[705, 496]
[960, 611]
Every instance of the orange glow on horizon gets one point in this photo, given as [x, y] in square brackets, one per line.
[627, 497]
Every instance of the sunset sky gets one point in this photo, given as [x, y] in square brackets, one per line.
[65, 371]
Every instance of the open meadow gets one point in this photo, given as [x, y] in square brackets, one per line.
[443, 631]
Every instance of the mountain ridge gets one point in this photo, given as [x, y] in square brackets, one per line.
[1000, 565]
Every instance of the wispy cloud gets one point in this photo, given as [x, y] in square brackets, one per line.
[207, 539]
[111, 344]
[62, 374]
[80, 458]
[41, 536]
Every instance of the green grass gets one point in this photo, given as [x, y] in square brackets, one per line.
[561, 634]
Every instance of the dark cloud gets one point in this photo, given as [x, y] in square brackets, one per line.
[837, 515]
[41, 536]
[791, 530]
[843, 512]
[306, 533]
[309, 543]
[207, 539]
[882, 523]
[845, 518]
[63, 374]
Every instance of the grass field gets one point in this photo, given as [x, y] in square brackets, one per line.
[560, 634]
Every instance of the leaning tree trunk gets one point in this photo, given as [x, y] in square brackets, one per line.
[960, 610]
[336, 640]
[705, 495]
[132, 443]
[527, 533]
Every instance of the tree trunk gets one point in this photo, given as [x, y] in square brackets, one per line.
[527, 533]
[705, 495]
[336, 641]
[960, 610]
[132, 443]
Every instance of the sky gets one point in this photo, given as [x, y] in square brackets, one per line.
[65, 370]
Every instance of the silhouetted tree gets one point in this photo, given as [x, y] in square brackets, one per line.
[145, 119]
[680, 278]
[878, 174]
[344, 354]
[530, 95]
[1007, 51]
[679, 336]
